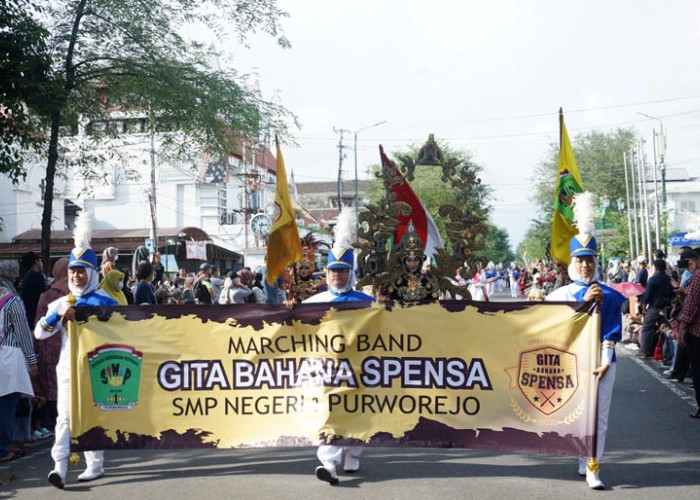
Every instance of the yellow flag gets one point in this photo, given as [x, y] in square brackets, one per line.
[283, 245]
[568, 183]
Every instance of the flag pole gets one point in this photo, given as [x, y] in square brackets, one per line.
[561, 121]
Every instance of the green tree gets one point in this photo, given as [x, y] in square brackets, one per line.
[113, 55]
[24, 84]
[599, 157]
[537, 237]
[497, 248]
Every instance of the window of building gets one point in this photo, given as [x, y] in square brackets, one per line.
[96, 127]
[222, 197]
[135, 125]
[687, 207]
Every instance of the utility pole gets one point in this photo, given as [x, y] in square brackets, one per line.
[640, 191]
[657, 222]
[152, 194]
[341, 155]
[635, 212]
[245, 195]
[645, 200]
[629, 206]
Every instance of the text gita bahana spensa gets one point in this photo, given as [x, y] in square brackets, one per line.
[286, 373]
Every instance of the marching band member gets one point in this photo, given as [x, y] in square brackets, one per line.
[82, 281]
[583, 270]
[340, 280]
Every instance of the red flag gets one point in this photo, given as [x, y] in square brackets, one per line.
[422, 221]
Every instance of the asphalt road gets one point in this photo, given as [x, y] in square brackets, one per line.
[653, 452]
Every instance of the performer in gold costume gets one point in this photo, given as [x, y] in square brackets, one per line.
[409, 285]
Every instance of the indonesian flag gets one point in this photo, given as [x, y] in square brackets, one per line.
[423, 223]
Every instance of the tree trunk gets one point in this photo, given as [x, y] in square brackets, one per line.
[60, 102]
[48, 193]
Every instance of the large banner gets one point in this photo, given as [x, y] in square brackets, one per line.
[512, 376]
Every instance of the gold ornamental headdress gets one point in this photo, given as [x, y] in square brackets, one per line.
[411, 244]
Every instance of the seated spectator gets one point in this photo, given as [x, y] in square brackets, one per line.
[162, 296]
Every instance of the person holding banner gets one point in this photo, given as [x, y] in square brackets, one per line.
[83, 275]
[583, 271]
[340, 280]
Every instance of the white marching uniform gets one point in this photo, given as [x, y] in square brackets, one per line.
[611, 332]
[45, 328]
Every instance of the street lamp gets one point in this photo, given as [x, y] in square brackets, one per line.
[604, 205]
[355, 135]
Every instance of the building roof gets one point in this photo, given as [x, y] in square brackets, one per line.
[332, 186]
[126, 240]
[677, 174]
[324, 215]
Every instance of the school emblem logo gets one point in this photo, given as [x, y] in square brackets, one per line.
[566, 188]
[548, 378]
[115, 372]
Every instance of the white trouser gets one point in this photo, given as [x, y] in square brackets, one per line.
[61, 448]
[334, 454]
[514, 291]
[605, 390]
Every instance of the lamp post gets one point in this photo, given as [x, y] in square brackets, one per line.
[605, 204]
[355, 136]
[181, 244]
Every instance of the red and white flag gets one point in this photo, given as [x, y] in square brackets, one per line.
[422, 221]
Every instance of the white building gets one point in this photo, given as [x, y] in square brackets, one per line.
[218, 196]
[682, 201]
[22, 205]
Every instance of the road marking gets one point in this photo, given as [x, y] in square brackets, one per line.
[671, 386]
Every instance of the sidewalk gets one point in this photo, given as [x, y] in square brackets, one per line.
[36, 448]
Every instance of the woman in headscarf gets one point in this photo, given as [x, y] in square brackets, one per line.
[187, 295]
[17, 357]
[109, 260]
[49, 350]
[141, 254]
[113, 283]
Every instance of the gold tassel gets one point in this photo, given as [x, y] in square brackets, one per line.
[593, 465]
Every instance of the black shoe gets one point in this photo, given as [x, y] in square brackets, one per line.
[56, 480]
[325, 475]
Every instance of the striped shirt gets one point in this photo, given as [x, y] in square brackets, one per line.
[17, 333]
[691, 308]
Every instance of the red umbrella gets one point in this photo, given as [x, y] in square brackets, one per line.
[628, 289]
